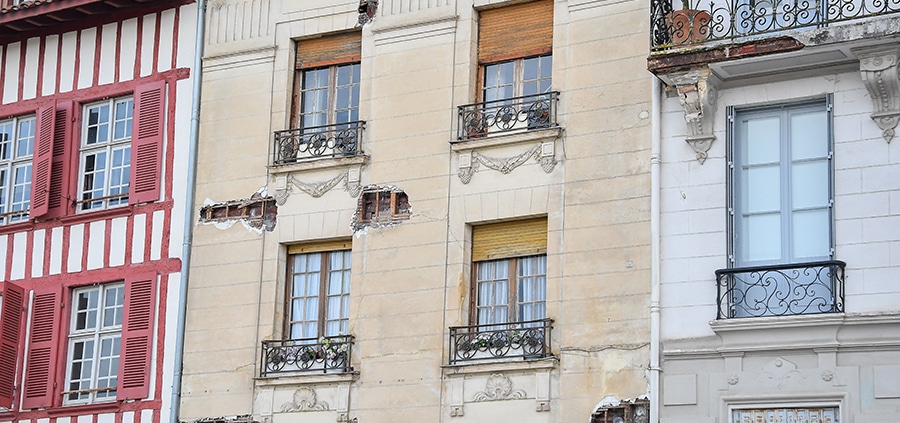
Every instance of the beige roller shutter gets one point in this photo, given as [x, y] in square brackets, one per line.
[318, 247]
[509, 239]
[329, 50]
[515, 31]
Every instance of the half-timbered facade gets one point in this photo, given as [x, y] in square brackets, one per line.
[94, 111]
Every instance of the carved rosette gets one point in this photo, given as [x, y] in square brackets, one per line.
[697, 94]
[879, 72]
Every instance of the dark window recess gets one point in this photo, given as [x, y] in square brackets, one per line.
[258, 211]
[637, 412]
[383, 205]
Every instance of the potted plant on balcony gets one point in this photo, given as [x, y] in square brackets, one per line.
[687, 25]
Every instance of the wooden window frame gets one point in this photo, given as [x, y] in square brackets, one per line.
[324, 281]
[297, 102]
[519, 81]
[512, 291]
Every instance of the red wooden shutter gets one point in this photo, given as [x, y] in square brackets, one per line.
[60, 171]
[137, 337]
[43, 159]
[10, 329]
[40, 372]
[146, 142]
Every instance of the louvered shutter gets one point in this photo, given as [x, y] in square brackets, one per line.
[137, 337]
[515, 31]
[40, 371]
[43, 160]
[329, 50]
[146, 142]
[60, 171]
[10, 330]
[509, 239]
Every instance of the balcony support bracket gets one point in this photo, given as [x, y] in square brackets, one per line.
[697, 94]
[879, 71]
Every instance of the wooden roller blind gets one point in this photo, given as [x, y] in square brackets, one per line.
[515, 31]
[509, 239]
[318, 247]
[329, 50]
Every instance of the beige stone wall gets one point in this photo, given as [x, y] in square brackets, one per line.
[410, 281]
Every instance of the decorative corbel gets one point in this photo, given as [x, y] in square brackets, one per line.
[878, 68]
[697, 95]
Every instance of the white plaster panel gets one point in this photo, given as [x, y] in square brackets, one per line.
[56, 244]
[146, 416]
[86, 57]
[870, 254]
[157, 234]
[693, 245]
[187, 33]
[106, 418]
[128, 50]
[11, 73]
[108, 40]
[128, 417]
[44, 420]
[96, 245]
[138, 238]
[148, 36]
[693, 293]
[37, 253]
[881, 178]
[67, 62]
[679, 389]
[117, 241]
[87, 418]
[4, 242]
[166, 40]
[848, 181]
[687, 322]
[20, 250]
[51, 59]
[887, 381]
[861, 205]
[76, 248]
[63, 419]
[30, 77]
[881, 280]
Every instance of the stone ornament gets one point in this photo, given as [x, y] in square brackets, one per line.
[781, 373]
[879, 72]
[285, 185]
[470, 161]
[827, 375]
[733, 380]
[697, 95]
[304, 400]
[497, 388]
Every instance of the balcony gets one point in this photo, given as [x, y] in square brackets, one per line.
[304, 356]
[699, 23]
[316, 142]
[498, 342]
[517, 114]
[781, 290]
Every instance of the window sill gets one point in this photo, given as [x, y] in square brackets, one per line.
[513, 364]
[306, 379]
[94, 408]
[507, 138]
[16, 227]
[322, 163]
[776, 322]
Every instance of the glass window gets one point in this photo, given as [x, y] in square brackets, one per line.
[16, 151]
[106, 154]
[329, 95]
[95, 336]
[511, 290]
[318, 294]
[521, 77]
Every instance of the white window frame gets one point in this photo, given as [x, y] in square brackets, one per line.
[736, 184]
[323, 322]
[106, 194]
[15, 194]
[103, 330]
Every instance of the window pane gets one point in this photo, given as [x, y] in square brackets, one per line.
[761, 237]
[762, 189]
[25, 140]
[810, 235]
[809, 184]
[762, 137]
[6, 137]
[809, 135]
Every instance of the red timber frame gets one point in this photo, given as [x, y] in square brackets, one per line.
[36, 309]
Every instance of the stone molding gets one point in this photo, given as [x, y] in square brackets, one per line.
[697, 95]
[470, 161]
[498, 388]
[305, 399]
[285, 185]
[879, 71]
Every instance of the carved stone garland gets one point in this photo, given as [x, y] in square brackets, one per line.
[697, 95]
[470, 161]
[285, 185]
[879, 71]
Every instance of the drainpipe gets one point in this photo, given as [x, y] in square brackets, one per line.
[655, 142]
[189, 211]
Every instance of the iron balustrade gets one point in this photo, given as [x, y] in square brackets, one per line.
[300, 144]
[528, 340]
[536, 111]
[781, 290]
[698, 21]
[308, 355]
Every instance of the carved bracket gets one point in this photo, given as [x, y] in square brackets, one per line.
[697, 94]
[879, 71]
[469, 161]
[285, 185]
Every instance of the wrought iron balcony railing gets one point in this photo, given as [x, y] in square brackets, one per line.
[528, 340]
[699, 21]
[781, 290]
[340, 140]
[309, 355]
[512, 114]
